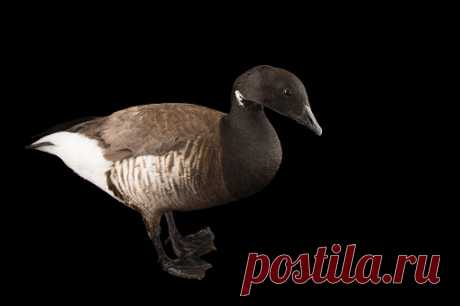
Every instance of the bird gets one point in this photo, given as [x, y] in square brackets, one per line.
[166, 157]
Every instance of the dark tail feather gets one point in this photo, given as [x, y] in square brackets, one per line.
[60, 127]
[63, 126]
[39, 145]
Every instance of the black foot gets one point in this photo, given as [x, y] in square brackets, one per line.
[199, 243]
[190, 267]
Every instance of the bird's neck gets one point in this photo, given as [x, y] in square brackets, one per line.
[251, 148]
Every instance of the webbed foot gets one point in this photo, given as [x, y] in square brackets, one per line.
[188, 249]
[199, 243]
[189, 267]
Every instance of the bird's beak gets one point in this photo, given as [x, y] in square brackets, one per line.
[308, 119]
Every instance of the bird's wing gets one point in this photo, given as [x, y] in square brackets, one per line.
[153, 129]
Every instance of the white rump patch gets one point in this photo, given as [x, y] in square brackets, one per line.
[81, 154]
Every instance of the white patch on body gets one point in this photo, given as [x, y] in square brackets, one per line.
[239, 97]
[81, 154]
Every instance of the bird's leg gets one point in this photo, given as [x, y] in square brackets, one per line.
[190, 266]
[199, 243]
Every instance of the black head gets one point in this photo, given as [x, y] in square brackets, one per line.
[279, 90]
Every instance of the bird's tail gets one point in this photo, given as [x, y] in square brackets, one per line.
[39, 145]
[39, 141]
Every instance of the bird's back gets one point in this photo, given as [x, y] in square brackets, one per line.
[150, 129]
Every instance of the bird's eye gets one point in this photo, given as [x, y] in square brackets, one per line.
[287, 92]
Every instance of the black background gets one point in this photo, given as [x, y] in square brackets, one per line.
[378, 177]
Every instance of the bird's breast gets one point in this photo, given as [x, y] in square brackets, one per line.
[251, 158]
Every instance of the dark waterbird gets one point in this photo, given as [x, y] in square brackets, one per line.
[159, 158]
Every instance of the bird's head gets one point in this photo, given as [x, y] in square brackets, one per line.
[277, 89]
